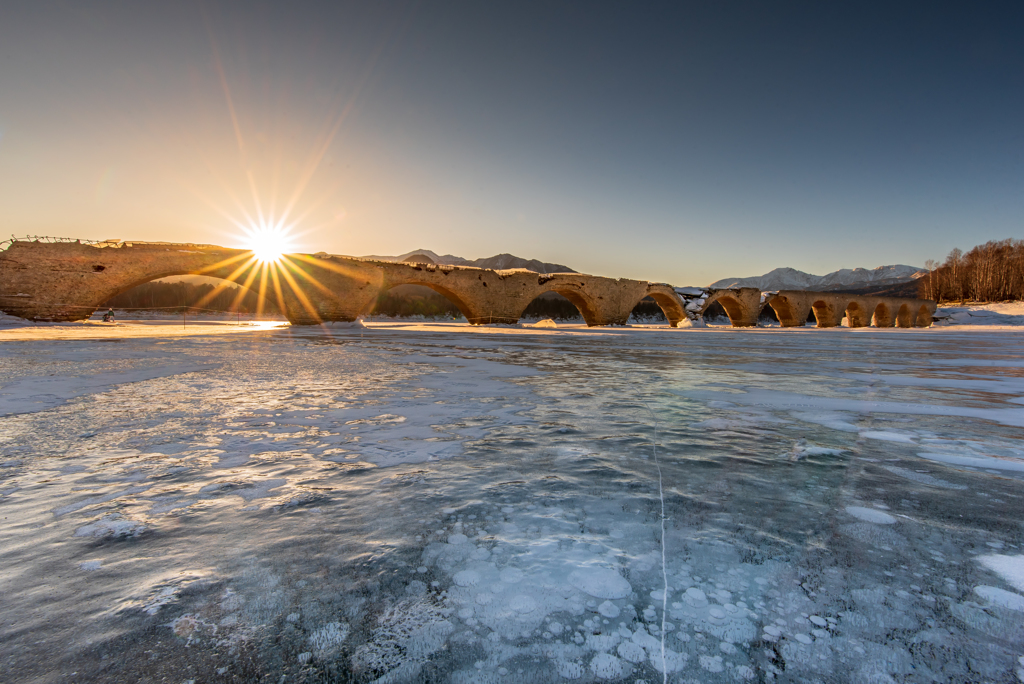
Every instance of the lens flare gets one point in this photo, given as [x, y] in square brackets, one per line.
[268, 243]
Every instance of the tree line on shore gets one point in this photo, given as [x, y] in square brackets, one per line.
[992, 272]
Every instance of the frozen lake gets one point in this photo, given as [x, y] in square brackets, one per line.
[437, 504]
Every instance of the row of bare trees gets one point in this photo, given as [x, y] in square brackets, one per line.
[992, 272]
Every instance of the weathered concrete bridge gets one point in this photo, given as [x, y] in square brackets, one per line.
[68, 281]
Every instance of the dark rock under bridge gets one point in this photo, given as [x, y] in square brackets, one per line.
[69, 280]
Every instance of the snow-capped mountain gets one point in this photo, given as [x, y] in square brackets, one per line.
[497, 262]
[843, 279]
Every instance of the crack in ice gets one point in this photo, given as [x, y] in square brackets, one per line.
[664, 563]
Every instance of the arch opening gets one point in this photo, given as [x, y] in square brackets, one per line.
[560, 304]
[732, 307]
[903, 317]
[659, 307]
[419, 300]
[823, 314]
[924, 317]
[856, 316]
[186, 292]
[786, 313]
[882, 317]
[768, 316]
[647, 310]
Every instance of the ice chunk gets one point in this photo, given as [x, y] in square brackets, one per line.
[111, 526]
[870, 515]
[602, 583]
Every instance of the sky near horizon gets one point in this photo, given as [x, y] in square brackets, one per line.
[676, 142]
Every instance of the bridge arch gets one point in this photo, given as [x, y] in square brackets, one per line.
[243, 285]
[904, 317]
[741, 305]
[587, 307]
[882, 316]
[924, 317]
[856, 315]
[669, 303]
[464, 308]
[825, 313]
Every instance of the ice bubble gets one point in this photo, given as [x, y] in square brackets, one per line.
[480, 553]
[609, 610]
[606, 666]
[416, 588]
[568, 669]
[803, 638]
[90, 565]
[555, 627]
[716, 613]
[727, 648]
[603, 583]
[465, 613]
[673, 661]
[818, 620]
[448, 511]
[870, 515]
[772, 630]
[658, 594]
[467, 578]
[457, 538]
[511, 575]
[1001, 597]
[602, 642]
[744, 672]
[631, 652]
[523, 604]
[422, 569]
[484, 597]
[712, 663]
[695, 597]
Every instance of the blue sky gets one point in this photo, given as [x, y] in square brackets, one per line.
[677, 142]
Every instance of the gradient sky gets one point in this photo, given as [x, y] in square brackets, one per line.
[679, 142]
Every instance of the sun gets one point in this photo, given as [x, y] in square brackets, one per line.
[268, 243]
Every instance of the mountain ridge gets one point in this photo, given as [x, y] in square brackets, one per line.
[496, 262]
[844, 279]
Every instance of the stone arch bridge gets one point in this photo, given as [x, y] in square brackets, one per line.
[68, 281]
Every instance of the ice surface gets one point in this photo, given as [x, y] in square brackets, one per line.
[420, 503]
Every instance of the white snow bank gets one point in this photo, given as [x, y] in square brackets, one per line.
[1010, 568]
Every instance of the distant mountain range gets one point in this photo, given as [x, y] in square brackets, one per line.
[497, 262]
[845, 280]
